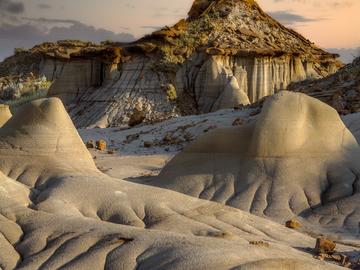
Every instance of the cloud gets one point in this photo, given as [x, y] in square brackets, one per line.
[34, 31]
[289, 18]
[347, 55]
[153, 27]
[43, 6]
[8, 6]
[323, 3]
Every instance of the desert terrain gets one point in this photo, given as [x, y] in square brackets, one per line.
[235, 149]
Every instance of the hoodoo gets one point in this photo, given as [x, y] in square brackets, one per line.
[224, 54]
[297, 158]
[73, 218]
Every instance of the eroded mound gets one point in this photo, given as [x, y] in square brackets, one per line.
[81, 219]
[298, 158]
[39, 136]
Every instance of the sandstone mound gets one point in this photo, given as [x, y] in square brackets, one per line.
[44, 130]
[82, 219]
[5, 114]
[297, 158]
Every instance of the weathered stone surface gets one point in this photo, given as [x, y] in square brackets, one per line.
[340, 90]
[101, 145]
[5, 114]
[57, 210]
[296, 159]
[324, 245]
[90, 144]
[293, 224]
[72, 79]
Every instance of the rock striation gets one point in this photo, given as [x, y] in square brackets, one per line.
[340, 90]
[72, 216]
[296, 159]
[224, 54]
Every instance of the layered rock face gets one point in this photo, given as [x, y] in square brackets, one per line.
[71, 80]
[340, 90]
[297, 159]
[226, 53]
[221, 81]
[136, 85]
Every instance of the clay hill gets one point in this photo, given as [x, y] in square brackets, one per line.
[226, 53]
[296, 159]
[58, 211]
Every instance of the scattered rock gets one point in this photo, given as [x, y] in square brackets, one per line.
[324, 246]
[238, 122]
[167, 138]
[255, 112]
[188, 137]
[259, 243]
[148, 144]
[90, 144]
[170, 91]
[293, 224]
[137, 117]
[111, 152]
[132, 137]
[209, 128]
[101, 145]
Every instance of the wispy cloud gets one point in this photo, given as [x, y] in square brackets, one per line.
[8, 6]
[290, 18]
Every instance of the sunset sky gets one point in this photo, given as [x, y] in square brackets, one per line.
[329, 23]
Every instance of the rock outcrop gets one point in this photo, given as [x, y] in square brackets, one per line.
[224, 54]
[296, 159]
[340, 90]
[75, 217]
[43, 129]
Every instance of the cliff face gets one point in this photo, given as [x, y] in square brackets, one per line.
[226, 53]
[340, 90]
[224, 81]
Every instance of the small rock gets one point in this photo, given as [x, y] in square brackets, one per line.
[148, 144]
[188, 137]
[101, 145]
[324, 245]
[259, 243]
[137, 117]
[238, 122]
[340, 258]
[320, 257]
[293, 224]
[167, 138]
[111, 152]
[255, 112]
[90, 144]
[132, 137]
[210, 128]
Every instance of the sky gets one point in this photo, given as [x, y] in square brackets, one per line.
[331, 24]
